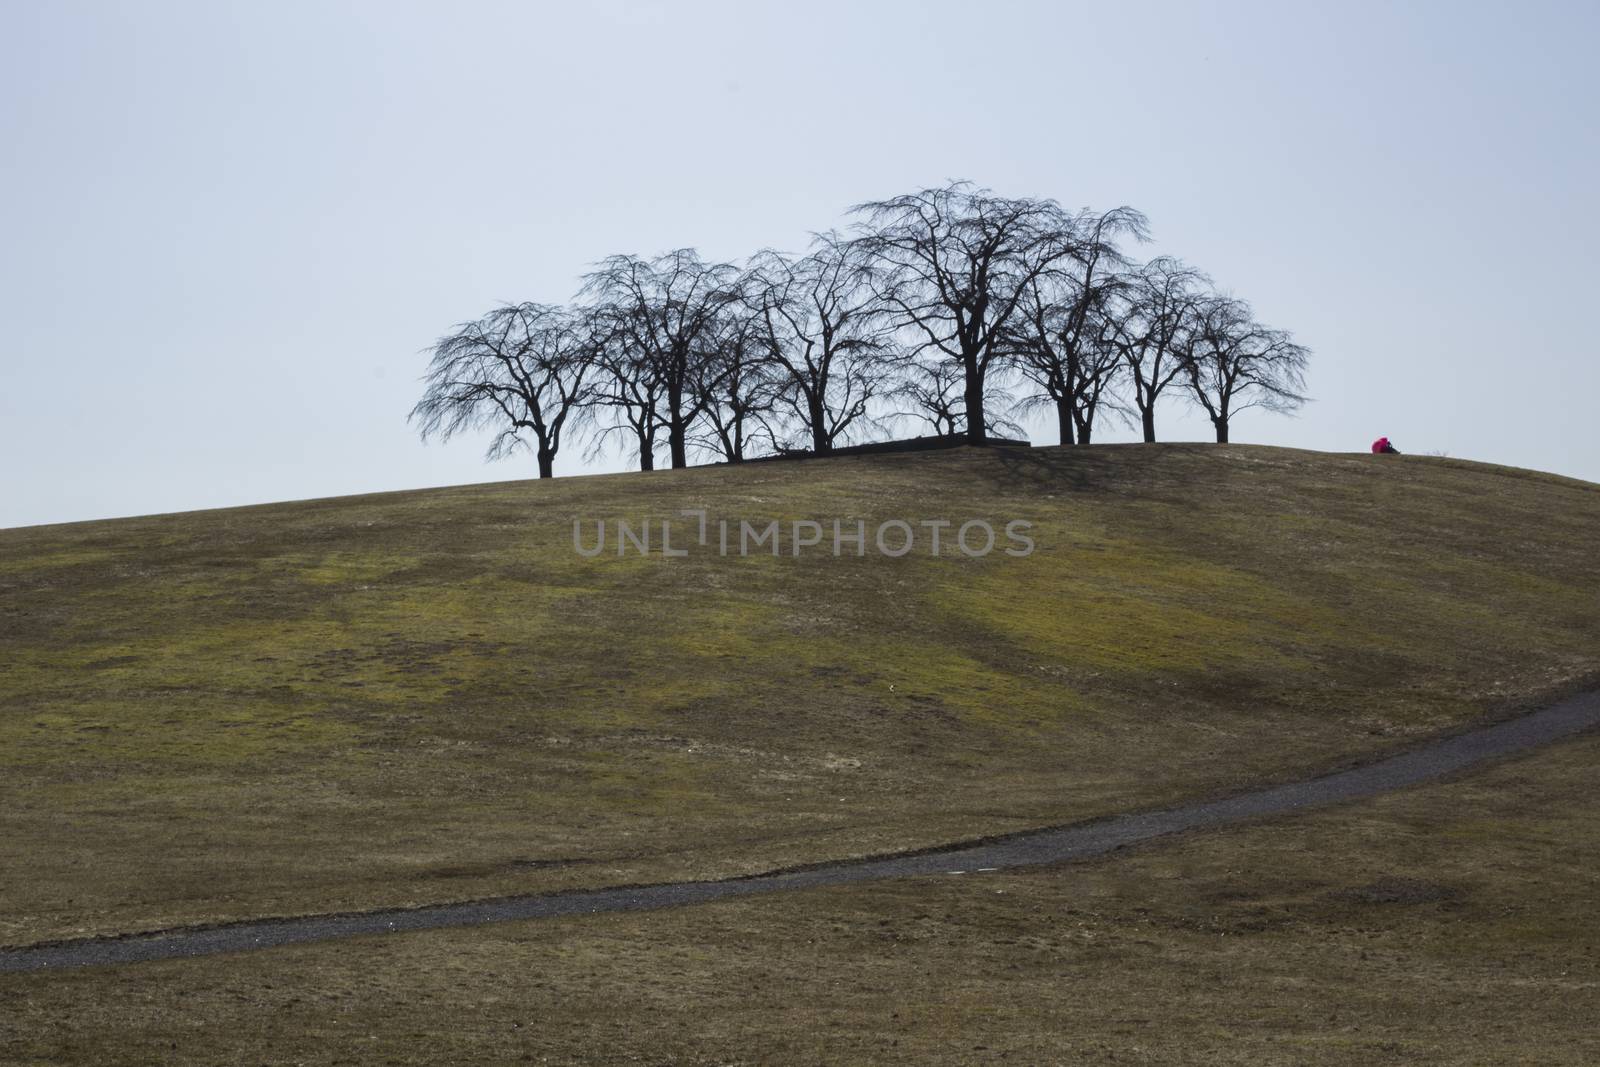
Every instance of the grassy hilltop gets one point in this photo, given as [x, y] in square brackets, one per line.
[426, 696]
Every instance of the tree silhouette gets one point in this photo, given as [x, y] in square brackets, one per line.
[955, 263]
[829, 338]
[737, 385]
[522, 369]
[626, 394]
[1234, 363]
[1148, 323]
[952, 307]
[662, 313]
[1058, 338]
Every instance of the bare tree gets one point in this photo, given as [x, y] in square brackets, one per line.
[1148, 323]
[737, 386]
[933, 395]
[1070, 364]
[944, 307]
[931, 391]
[955, 264]
[626, 394]
[1235, 363]
[1059, 336]
[522, 369]
[662, 314]
[828, 336]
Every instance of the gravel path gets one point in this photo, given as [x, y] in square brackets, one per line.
[1429, 761]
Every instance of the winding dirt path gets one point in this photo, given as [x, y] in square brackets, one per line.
[1428, 761]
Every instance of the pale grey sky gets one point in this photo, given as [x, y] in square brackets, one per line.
[227, 229]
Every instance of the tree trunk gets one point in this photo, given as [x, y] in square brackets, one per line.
[677, 434]
[1064, 422]
[977, 432]
[547, 462]
[1221, 423]
[1147, 415]
[647, 453]
[820, 445]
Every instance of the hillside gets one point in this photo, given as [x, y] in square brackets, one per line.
[427, 696]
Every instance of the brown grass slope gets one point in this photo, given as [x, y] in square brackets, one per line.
[424, 696]
[1449, 924]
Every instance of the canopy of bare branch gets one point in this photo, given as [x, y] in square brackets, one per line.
[829, 339]
[955, 265]
[952, 308]
[522, 372]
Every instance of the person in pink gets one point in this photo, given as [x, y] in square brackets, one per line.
[1382, 445]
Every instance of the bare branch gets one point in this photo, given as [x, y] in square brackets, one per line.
[522, 370]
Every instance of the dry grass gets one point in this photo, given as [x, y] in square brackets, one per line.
[427, 696]
[1450, 924]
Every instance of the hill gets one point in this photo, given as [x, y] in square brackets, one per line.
[425, 696]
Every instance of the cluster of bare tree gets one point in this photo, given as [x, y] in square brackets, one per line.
[951, 307]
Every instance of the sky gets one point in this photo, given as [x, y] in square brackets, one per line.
[229, 231]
